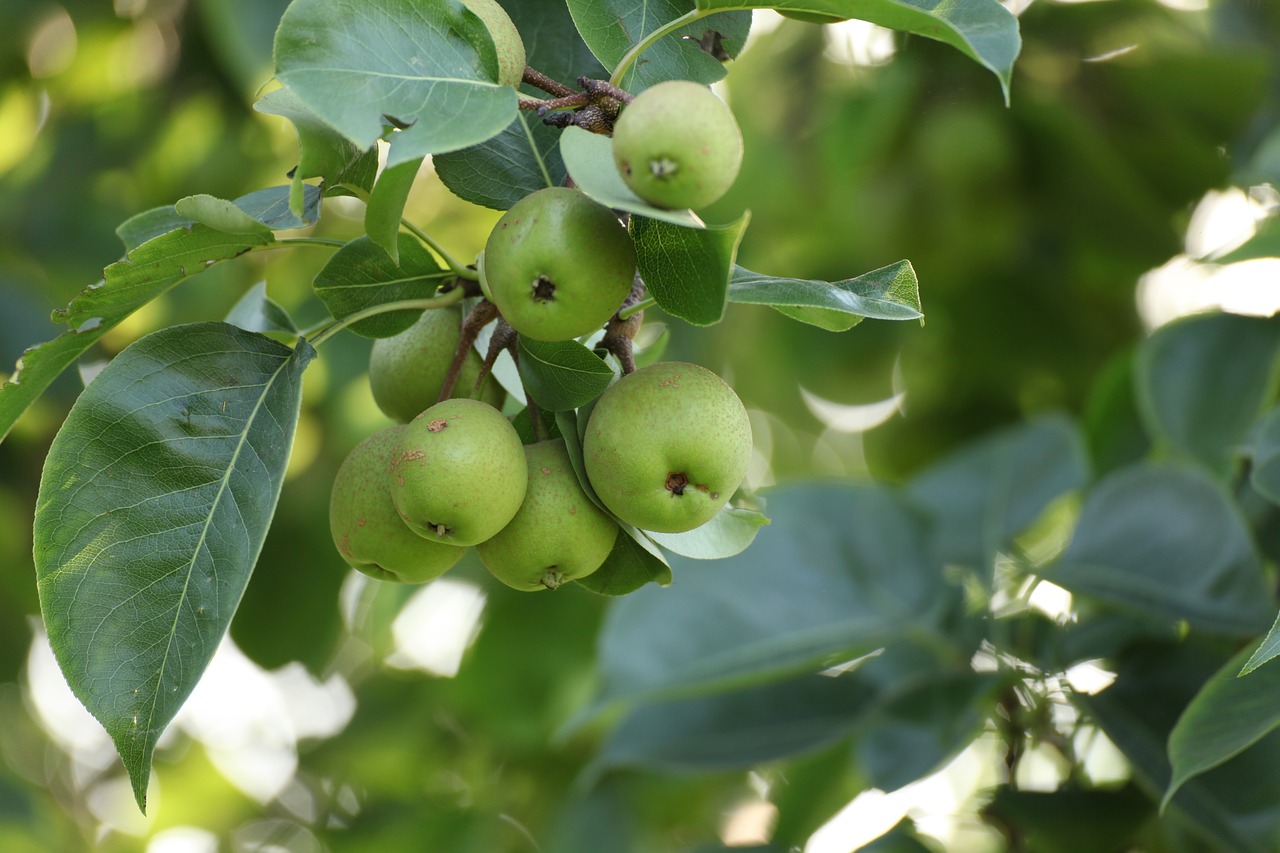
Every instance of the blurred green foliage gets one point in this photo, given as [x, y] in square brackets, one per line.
[1028, 226]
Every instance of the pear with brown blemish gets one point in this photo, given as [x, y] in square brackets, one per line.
[558, 535]
[458, 472]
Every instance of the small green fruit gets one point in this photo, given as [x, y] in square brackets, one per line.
[366, 529]
[667, 446]
[506, 39]
[677, 145]
[458, 473]
[558, 265]
[558, 535]
[406, 371]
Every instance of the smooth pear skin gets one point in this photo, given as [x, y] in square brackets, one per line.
[558, 535]
[667, 446]
[407, 371]
[458, 472]
[506, 39]
[558, 265]
[367, 530]
[677, 145]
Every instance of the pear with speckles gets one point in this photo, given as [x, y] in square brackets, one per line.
[366, 528]
[458, 475]
[667, 446]
[558, 535]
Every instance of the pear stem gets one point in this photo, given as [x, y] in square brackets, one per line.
[481, 315]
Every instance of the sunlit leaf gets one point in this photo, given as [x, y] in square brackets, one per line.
[154, 503]
[889, 293]
[729, 532]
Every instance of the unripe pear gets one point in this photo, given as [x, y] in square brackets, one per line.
[558, 265]
[677, 145]
[458, 472]
[506, 39]
[667, 446]
[366, 528]
[407, 371]
[558, 535]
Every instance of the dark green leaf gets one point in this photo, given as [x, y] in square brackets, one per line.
[361, 275]
[589, 159]
[220, 215]
[1203, 381]
[729, 532]
[842, 570]
[562, 375]
[739, 729]
[1112, 423]
[983, 30]
[1227, 716]
[148, 271]
[552, 43]
[983, 495]
[323, 152]
[687, 269]
[500, 171]
[1167, 541]
[1265, 472]
[257, 312]
[889, 293]
[633, 563]
[386, 206]
[611, 27]
[154, 503]
[1070, 820]
[428, 67]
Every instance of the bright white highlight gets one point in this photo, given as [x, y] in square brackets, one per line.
[436, 626]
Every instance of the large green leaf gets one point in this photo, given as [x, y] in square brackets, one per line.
[983, 495]
[428, 67]
[1227, 716]
[888, 293]
[1168, 542]
[154, 503]
[500, 171]
[361, 275]
[1203, 381]
[589, 159]
[562, 375]
[687, 269]
[983, 30]
[842, 570]
[146, 272]
[611, 27]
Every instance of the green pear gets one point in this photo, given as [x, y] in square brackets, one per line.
[666, 446]
[558, 535]
[407, 371]
[458, 472]
[677, 145]
[366, 529]
[506, 39]
[557, 265]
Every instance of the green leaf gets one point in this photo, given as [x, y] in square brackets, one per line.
[500, 171]
[552, 42]
[631, 564]
[1265, 471]
[1111, 422]
[809, 792]
[1182, 392]
[361, 275]
[986, 493]
[611, 27]
[1167, 541]
[1072, 819]
[739, 729]
[257, 312]
[1267, 650]
[1226, 717]
[889, 293]
[841, 571]
[270, 207]
[323, 152]
[149, 224]
[729, 532]
[154, 503]
[430, 68]
[562, 375]
[983, 30]
[589, 159]
[386, 206]
[687, 269]
[148, 271]
[220, 215]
